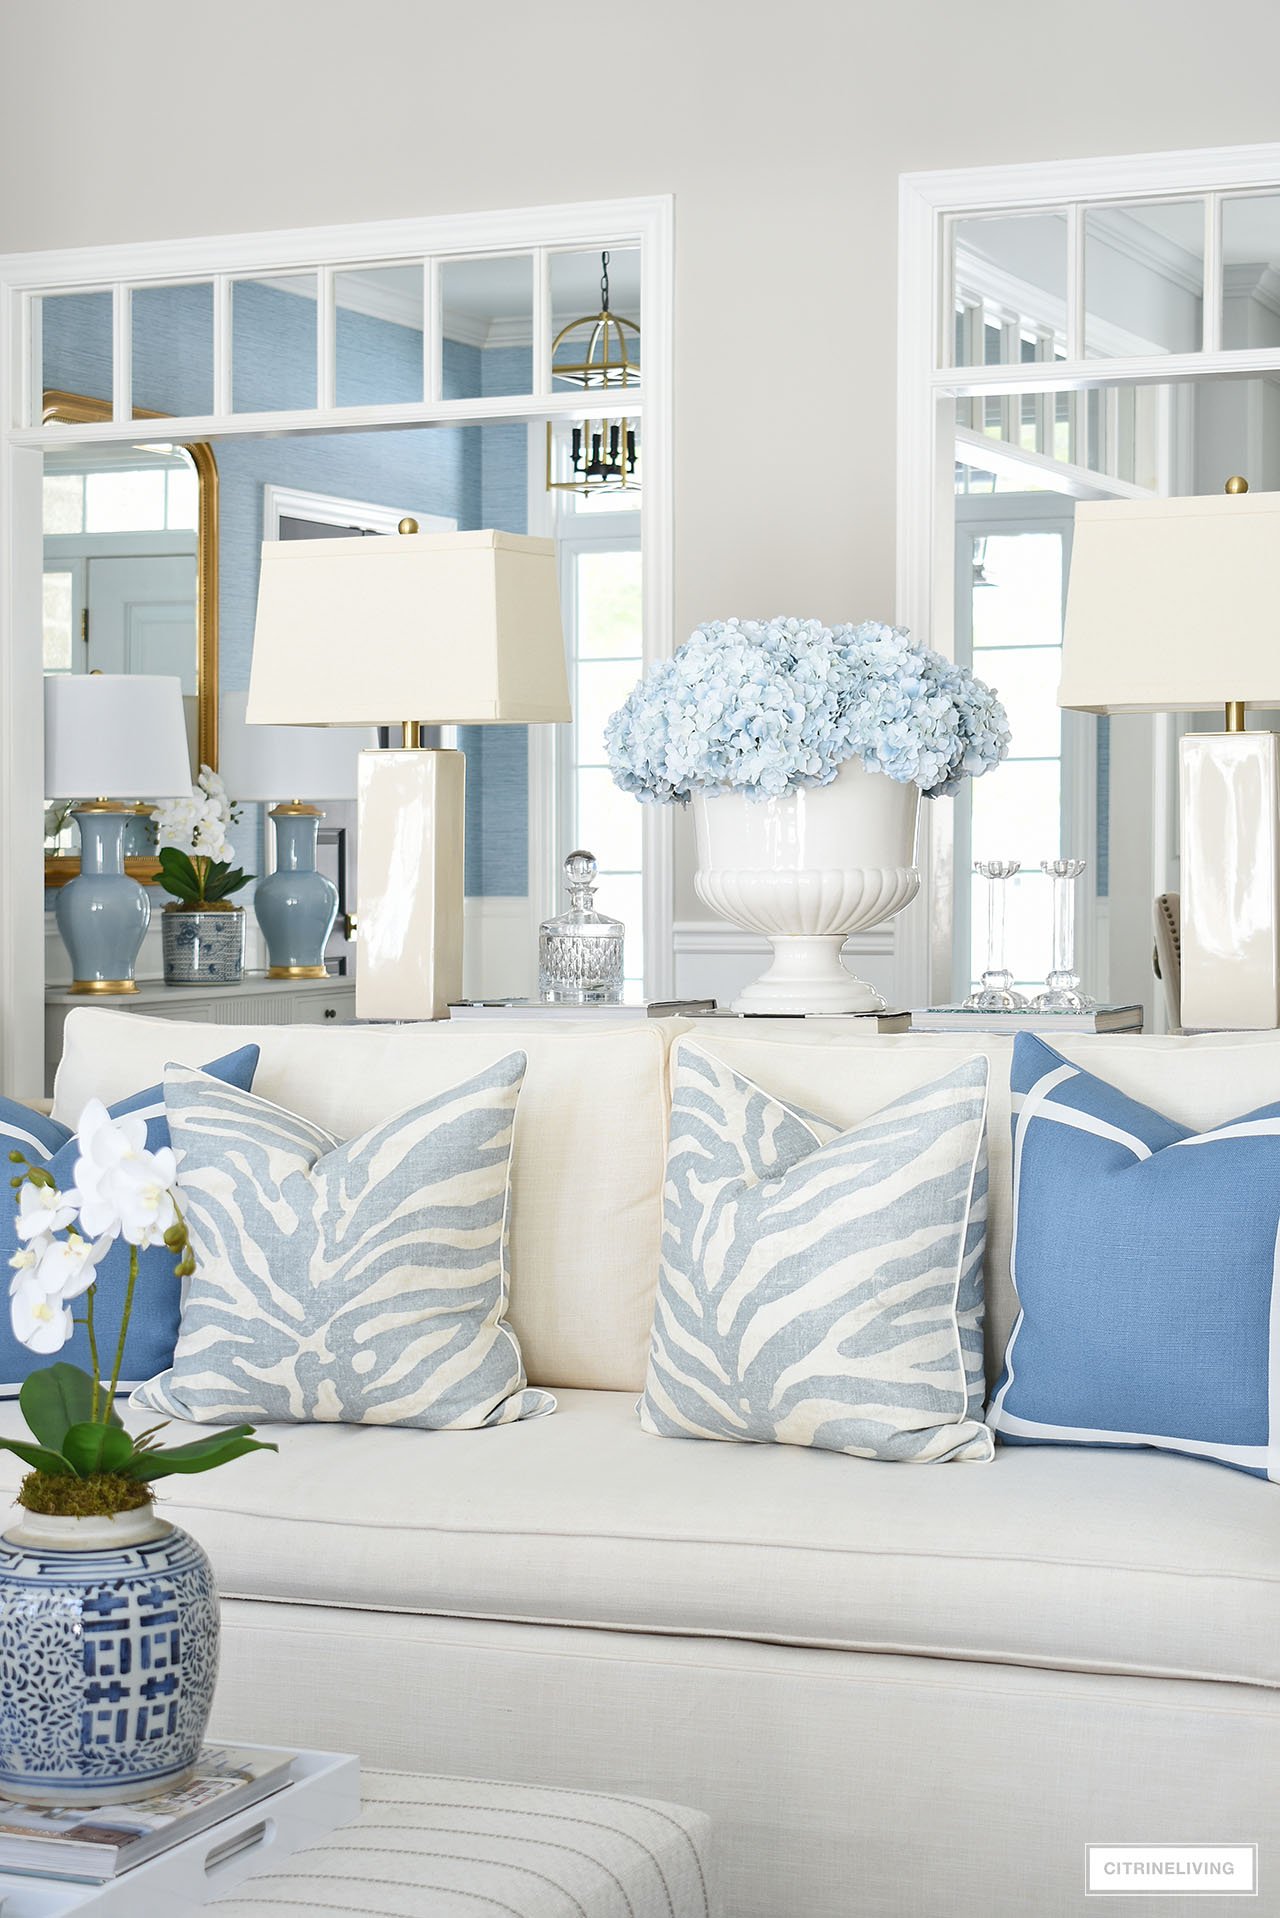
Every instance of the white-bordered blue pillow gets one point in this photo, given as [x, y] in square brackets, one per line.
[153, 1321]
[1145, 1262]
[820, 1287]
[360, 1282]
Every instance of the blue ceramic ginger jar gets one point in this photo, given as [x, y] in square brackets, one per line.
[295, 904]
[108, 1657]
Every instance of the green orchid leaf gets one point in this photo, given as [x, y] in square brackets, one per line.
[39, 1459]
[59, 1397]
[145, 1441]
[221, 880]
[201, 1456]
[97, 1448]
[178, 874]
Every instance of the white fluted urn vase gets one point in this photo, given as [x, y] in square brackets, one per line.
[807, 870]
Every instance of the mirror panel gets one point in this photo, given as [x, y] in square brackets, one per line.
[378, 334]
[76, 348]
[273, 343]
[576, 294]
[131, 572]
[1010, 281]
[486, 323]
[1144, 279]
[172, 339]
[1251, 271]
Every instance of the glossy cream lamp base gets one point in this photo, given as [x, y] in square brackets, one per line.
[410, 888]
[1230, 881]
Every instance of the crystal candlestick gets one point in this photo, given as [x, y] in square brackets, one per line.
[1062, 987]
[996, 993]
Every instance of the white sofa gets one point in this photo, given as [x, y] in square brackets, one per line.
[906, 1690]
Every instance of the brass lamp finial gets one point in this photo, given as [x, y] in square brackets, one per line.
[1236, 484]
[408, 525]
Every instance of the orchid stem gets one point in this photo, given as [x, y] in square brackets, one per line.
[124, 1329]
[93, 1355]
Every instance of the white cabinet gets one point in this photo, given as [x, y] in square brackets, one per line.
[256, 1001]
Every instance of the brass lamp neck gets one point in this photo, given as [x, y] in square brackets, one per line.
[1235, 715]
[411, 732]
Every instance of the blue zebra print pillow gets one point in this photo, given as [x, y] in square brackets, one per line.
[822, 1287]
[362, 1283]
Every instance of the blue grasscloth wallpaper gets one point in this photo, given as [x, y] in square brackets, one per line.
[475, 475]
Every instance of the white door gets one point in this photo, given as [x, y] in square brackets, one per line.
[142, 616]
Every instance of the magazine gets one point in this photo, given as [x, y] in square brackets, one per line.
[95, 1843]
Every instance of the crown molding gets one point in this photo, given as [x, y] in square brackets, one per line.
[1259, 283]
[365, 293]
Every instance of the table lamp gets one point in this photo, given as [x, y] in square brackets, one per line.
[1173, 605]
[291, 766]
[116, 737]
[426, 629]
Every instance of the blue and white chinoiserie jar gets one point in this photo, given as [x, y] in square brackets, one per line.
[202, 947]
[108, 1657]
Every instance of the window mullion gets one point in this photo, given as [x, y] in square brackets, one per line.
[1211, 304]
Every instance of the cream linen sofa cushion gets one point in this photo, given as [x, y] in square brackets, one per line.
[586, 1180]
[1200, 1081]
[1125, 1562]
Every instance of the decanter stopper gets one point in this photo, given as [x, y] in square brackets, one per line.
[580, 950]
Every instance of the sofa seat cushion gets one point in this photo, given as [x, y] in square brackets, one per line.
[1127, 1562]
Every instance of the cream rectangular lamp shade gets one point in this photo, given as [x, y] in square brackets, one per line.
[267, 763]
[423, 629]
[1174, 606]
[449, 629]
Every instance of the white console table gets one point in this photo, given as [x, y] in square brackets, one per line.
[256, 1001]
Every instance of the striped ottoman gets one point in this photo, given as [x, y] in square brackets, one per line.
[457, 1848]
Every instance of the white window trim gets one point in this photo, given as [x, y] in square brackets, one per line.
[647, 222]
[1005, 513]
[578, 534]
[926, 425]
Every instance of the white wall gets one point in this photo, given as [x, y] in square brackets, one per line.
[781, 131]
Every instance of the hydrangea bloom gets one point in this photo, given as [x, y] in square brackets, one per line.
[763, 707]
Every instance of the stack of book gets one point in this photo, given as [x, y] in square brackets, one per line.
[600, 1010]
[95, 1844]
[962, 1019]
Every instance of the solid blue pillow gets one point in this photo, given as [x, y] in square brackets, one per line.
[1145, 1260]
[153, 1326]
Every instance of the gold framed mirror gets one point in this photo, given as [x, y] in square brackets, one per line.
[79, 409]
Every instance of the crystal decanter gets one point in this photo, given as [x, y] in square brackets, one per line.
[580, 951]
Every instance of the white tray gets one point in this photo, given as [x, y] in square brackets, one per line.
[323, 1794]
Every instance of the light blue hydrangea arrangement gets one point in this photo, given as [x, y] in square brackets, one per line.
[761, 707]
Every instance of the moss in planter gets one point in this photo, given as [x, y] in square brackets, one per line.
[101, 1495]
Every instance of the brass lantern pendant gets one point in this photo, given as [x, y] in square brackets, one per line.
[602, 452]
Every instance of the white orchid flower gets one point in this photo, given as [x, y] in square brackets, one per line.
[68, 1267]
[41, 1323]
[26, 1262]
[41, 1209]
[122, 1189]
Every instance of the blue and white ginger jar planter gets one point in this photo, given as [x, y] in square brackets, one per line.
[202, 948]
[108, 1657]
